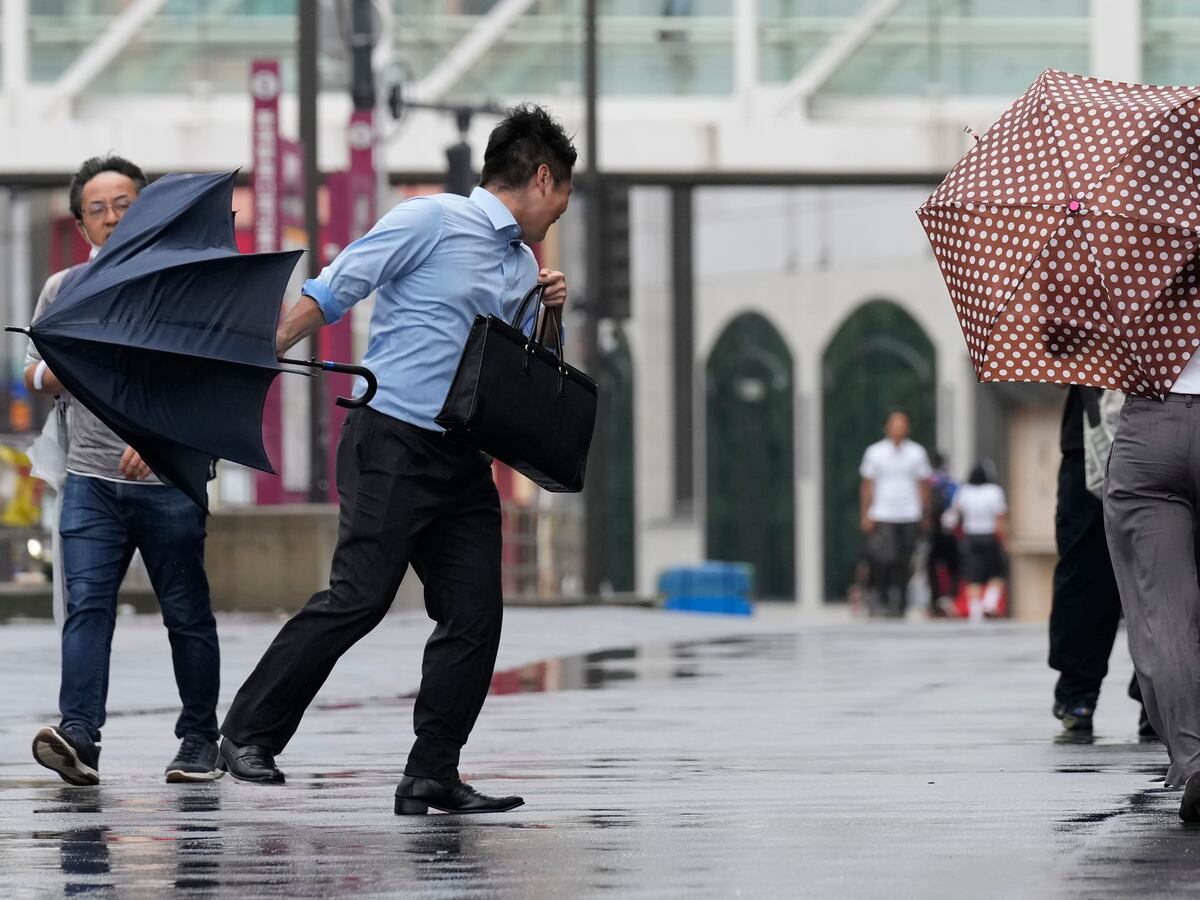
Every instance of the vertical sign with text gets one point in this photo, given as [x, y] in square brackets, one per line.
[266, 149]
[265, 88]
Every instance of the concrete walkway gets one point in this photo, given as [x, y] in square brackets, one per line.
[660, 755]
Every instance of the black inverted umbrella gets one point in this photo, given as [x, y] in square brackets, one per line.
[168, 335]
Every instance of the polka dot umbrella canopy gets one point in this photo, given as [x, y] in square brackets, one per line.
[1068, 236]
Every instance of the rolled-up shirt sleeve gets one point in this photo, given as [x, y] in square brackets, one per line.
[45, 298]
[398, 243]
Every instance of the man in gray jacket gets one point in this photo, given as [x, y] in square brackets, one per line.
[111, 505]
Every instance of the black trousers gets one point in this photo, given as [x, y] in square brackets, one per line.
[1085, 610]
[942, 567]
[406, 496]
[890, 547]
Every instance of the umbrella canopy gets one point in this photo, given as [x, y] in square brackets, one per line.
[168, 335]
[1068, 236]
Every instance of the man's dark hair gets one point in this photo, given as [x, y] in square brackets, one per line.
[527, 137]
[93, 167]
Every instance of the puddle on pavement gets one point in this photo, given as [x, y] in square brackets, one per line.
[193, 852]
[1095, 818]
[683, 660]
[1081, 738]
[189, 800]
[587, 671]
[186, 857]
[75, 801]
[652, 662]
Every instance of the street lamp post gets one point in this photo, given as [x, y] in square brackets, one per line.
[593, 494]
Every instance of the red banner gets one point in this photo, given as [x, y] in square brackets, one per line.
[351, 215]
[278, 183]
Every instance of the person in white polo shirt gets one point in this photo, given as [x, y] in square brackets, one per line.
[894, 502]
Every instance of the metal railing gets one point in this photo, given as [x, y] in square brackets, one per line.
[985, 48]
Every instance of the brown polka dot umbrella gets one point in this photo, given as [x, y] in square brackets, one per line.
[1068, 236]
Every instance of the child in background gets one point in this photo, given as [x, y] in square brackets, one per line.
[979, 507]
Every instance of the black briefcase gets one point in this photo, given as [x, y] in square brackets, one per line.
[518, 401]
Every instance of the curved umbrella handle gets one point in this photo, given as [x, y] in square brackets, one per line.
[329, 366]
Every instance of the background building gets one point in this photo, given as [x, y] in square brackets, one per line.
[763, 159]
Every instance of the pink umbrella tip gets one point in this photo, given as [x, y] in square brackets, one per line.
[1074, 206]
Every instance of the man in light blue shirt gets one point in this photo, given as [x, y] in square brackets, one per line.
[437, 262]
[407, 493]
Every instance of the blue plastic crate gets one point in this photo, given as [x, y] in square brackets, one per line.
[712, 587]
[726, 606]
[709, 579]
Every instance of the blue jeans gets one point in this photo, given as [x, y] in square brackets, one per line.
[102, 522]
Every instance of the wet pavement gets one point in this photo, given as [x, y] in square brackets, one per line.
[660, 755]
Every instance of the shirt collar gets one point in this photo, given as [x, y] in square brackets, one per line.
[499, 214]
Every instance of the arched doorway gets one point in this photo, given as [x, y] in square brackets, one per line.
[750, 500]
[612, 447]
[879, 360]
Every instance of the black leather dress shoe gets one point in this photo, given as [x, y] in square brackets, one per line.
[414, 796]
[1189, 807]
[249, 762]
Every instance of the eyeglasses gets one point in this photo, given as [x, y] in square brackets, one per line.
[96, 210]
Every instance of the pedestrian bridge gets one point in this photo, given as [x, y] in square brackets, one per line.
[773, 90]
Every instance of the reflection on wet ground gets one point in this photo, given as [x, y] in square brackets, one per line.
[191, 847]
[835, 762]
[605, 668]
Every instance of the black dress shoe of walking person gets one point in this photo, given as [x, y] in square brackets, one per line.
[414, 796]
[1189, 807]
[1075, 716]
[249, 762]
[70, 752]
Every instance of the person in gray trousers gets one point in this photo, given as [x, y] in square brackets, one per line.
[1150, 515]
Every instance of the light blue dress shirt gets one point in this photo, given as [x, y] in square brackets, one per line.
[437, 262]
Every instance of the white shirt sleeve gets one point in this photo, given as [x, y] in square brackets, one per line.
[867, 469]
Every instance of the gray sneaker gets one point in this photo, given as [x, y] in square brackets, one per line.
[195, 761]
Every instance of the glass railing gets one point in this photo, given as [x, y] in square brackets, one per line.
[930, 47]
[1171, 41]
[648, 47]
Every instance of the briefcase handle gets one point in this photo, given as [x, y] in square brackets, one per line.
[536, 291]
[552, 316]
[517, 320]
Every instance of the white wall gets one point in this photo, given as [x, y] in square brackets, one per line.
[806, 259]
